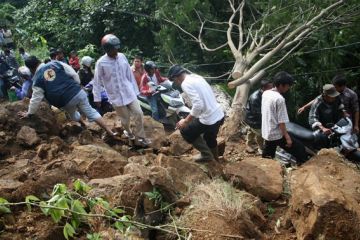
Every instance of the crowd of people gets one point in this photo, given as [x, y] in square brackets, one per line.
[72, 85]
[63, 83]
[266, 116]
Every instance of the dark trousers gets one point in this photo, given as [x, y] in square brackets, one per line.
[297, 149]
[194, 129]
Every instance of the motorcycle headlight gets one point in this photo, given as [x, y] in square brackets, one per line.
[176, 103]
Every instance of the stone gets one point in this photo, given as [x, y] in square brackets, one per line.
[260, 177]
[325, 199]
[183, 173]
[155, 131]
[178, 145]
[98, 161]
[27, 136]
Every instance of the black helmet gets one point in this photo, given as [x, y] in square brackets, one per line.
[149, 65]
[175, 71]
[109, 42]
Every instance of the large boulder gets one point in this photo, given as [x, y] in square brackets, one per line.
[221, 211]
[325, 199]
[184, 173]
[178, 145]
[260, 177]
[155, 131]
[98, 161]
[122, 190]
[27, 136]
[44, 121]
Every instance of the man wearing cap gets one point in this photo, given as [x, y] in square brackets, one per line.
[274, 117]
[206, 115]
[326, 110]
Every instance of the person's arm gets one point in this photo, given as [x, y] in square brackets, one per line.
[144, 87]
[131, 78]
[97, 83]
[36, 98]
[355, 104]
[197, 105]
[23, 92]
[286, 135]
[70, 72]
[306, 106]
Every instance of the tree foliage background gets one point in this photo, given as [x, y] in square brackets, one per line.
[74, 24]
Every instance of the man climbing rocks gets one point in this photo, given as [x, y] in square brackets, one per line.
[206, 115]
[59, 84]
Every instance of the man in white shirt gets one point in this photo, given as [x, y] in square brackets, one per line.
[274, 117]
[206, 115]
[113, 72]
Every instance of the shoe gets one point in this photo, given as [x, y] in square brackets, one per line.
[249, 150]
[129, 135]
[144, 141]
[205, 152]
[215, 153]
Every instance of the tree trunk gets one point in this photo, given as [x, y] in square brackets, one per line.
[232, 125]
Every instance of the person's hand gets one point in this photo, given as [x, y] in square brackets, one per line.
[23, 115]
[288, 141]
[181, 124]
[301, 110]
[356, 129]
[326, 131]
[97, 104]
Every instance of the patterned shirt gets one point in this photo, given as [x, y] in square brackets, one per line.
[116, 77]
[274, 112]
[350, 101]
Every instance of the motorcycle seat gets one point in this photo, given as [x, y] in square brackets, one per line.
[300, 132]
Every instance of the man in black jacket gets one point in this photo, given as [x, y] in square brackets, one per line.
[253, 118]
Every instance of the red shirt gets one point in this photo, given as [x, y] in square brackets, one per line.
[138, 74]
[74, 62]
[144, 87]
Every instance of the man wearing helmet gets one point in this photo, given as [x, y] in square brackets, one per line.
[85, 72]
[113, 72]
[148, 84]
[25, 90]
[206, 115]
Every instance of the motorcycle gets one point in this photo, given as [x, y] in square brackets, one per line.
[105, 104]
[170, 102]
[341, 139]
[12, 79]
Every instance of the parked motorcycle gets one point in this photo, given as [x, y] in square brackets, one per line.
[341, 139]
[105, 104]
[170, 102]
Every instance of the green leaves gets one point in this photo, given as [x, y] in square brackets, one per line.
[80, 186]
[3, 208]
[68, 231]
[30, 199]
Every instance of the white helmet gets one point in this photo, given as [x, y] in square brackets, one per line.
[87, 61]
[24, 71]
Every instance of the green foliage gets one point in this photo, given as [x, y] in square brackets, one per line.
[4, 209]
[94, 236]
[270, 210]
[158, 199]
[7, 12]
[72, 209]
[68, 231]
[89, 50]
